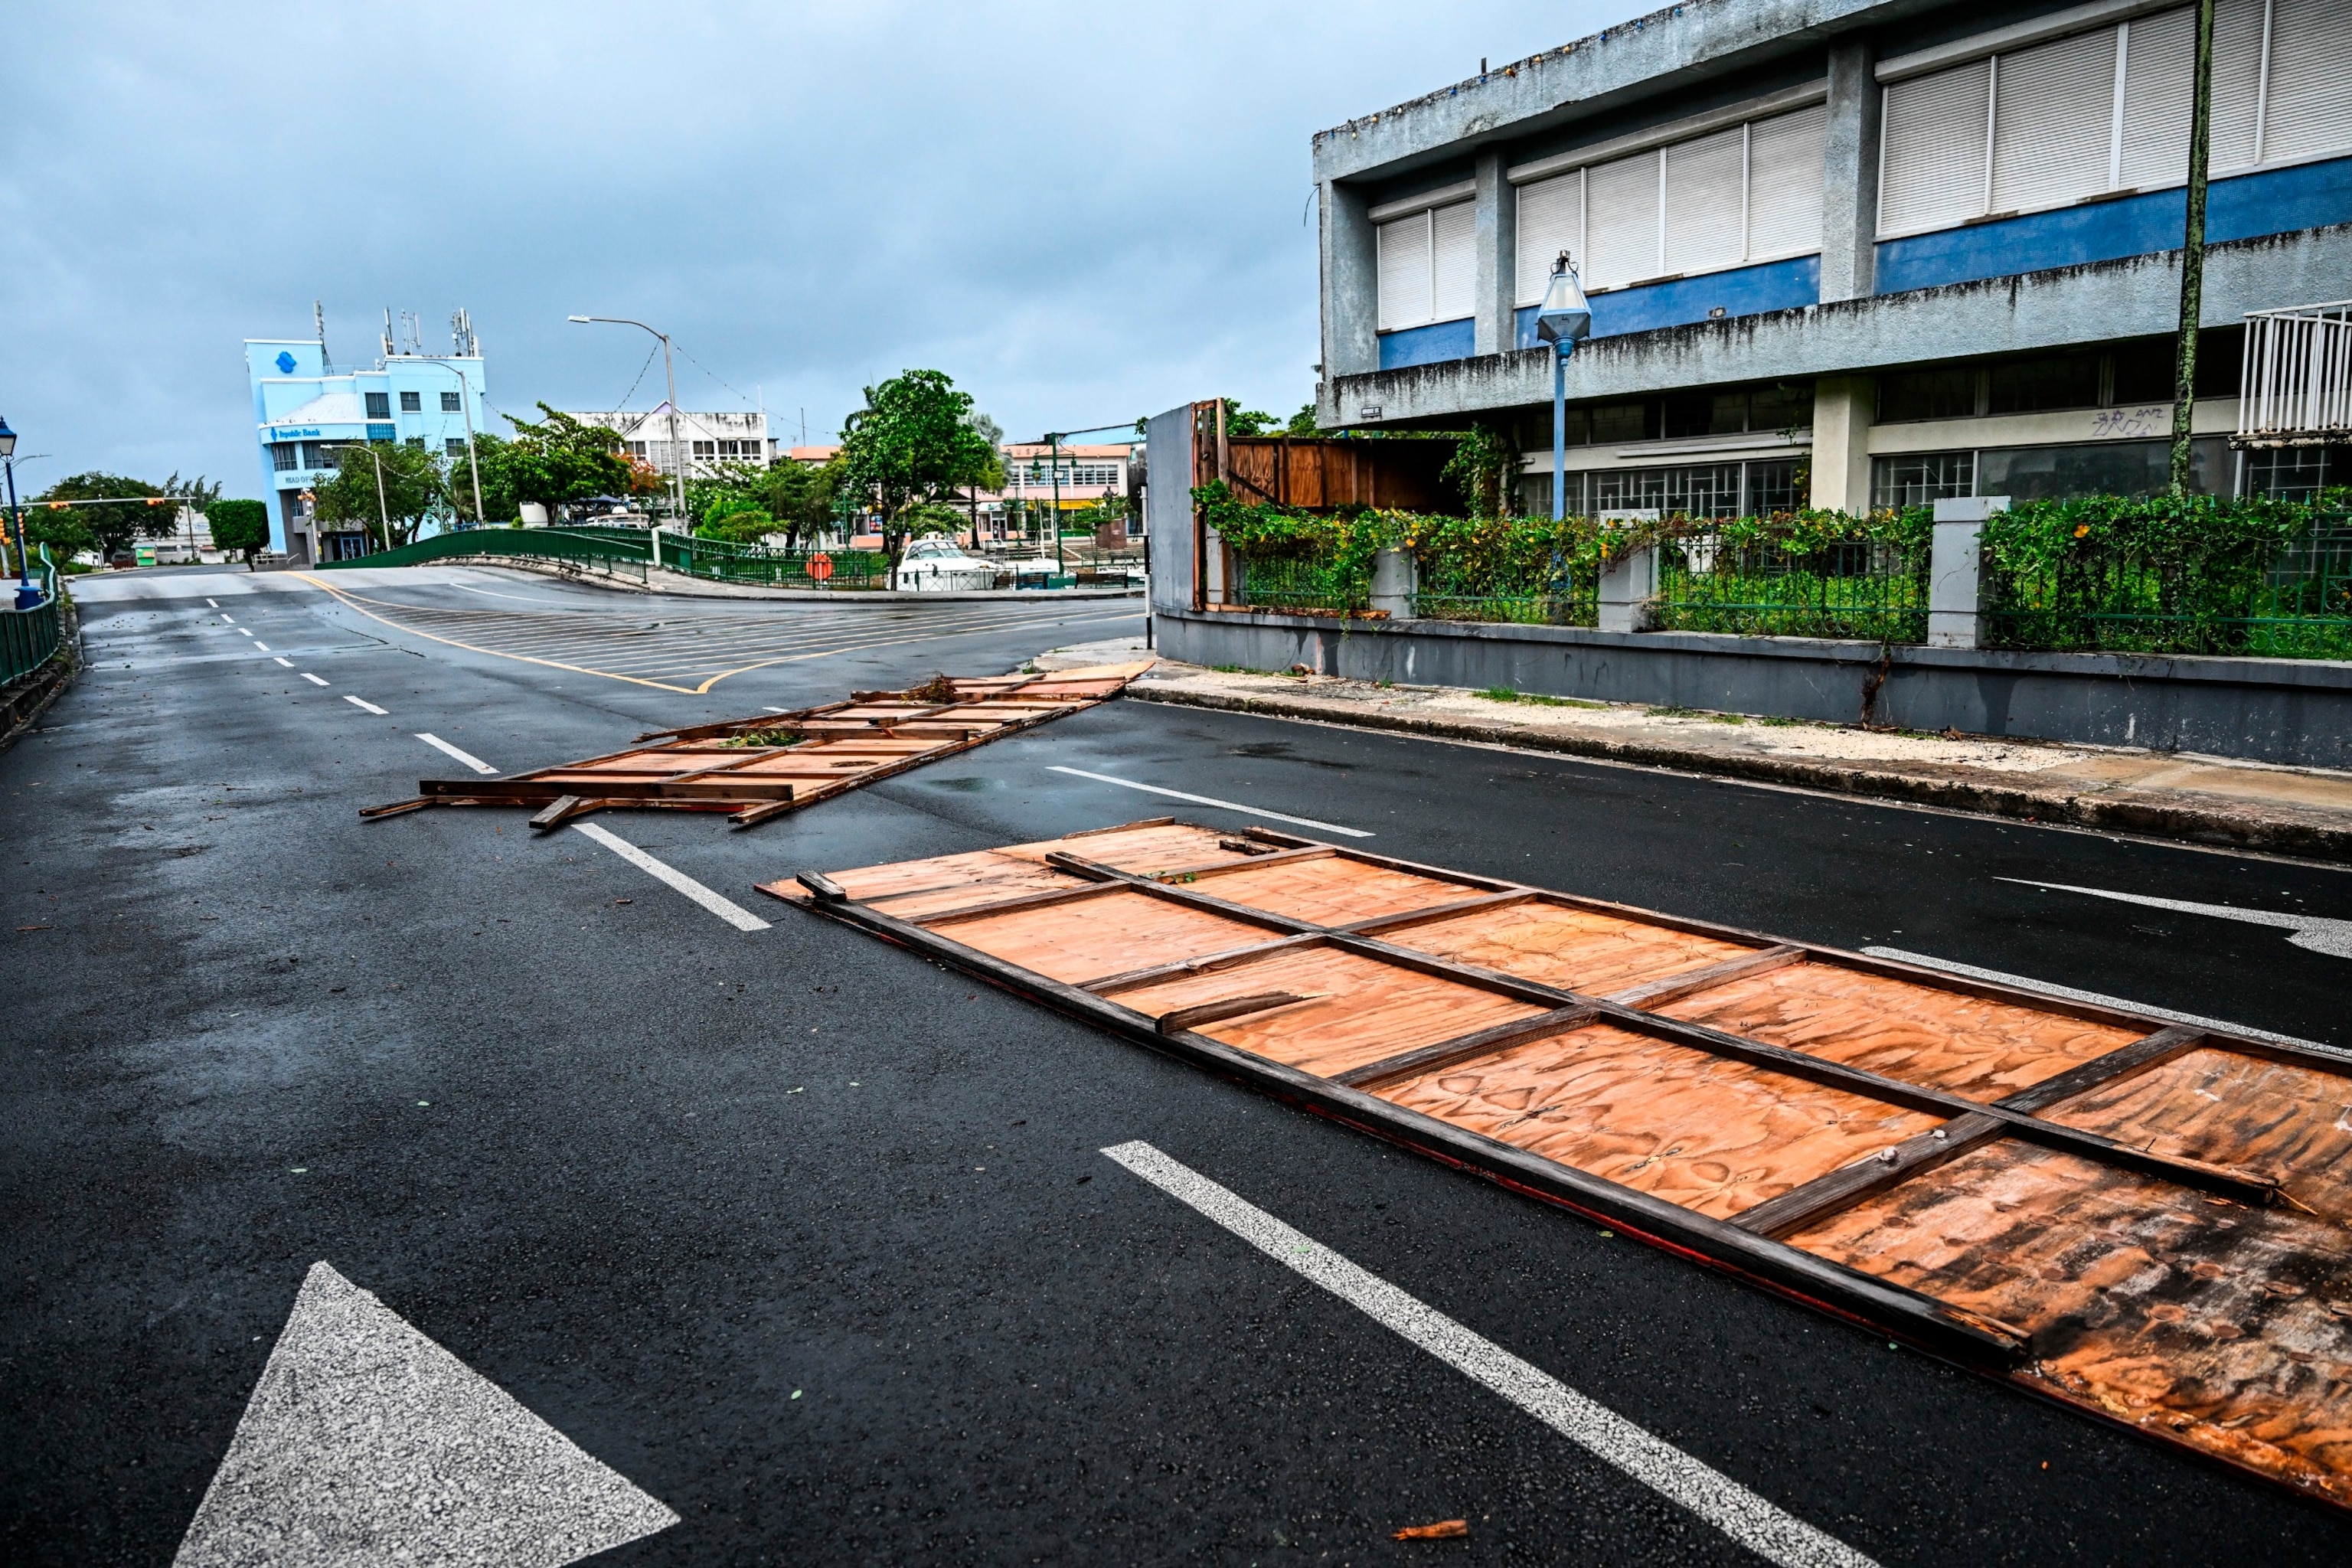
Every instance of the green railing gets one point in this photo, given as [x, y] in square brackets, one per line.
[2290, 599]
[30, 638]
[1552, 593]
[1292, 583]
[628, 552]
[1874, 588]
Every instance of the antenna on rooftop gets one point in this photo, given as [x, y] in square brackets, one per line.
[318, 319]
[461, 334]
[388, 350]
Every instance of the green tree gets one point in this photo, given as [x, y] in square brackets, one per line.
[109, 530]
[1240, 421]
[242, 526]
[1302, 423]
[913, 442]
[411, 484]
[552, 463]
[1484, 463]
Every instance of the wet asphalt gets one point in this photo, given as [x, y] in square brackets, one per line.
[810, 1238]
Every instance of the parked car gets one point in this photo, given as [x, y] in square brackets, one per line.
[935, 564]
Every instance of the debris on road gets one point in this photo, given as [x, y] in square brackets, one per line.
[1443, 1529]
[2142, 1220]
[761, 767]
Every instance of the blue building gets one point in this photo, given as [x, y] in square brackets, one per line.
[1882, 250]
[304, 410]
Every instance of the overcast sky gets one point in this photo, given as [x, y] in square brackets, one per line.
[1082, 213]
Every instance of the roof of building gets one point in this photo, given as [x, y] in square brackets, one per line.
[329, 408]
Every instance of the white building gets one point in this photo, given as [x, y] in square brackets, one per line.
[709, 439]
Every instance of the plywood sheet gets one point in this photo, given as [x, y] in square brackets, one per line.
[1715, 1136]
[1362, 1011]
[1331, 890]
[2289, 1123]
[1144, 848]
[2226, 1327]
[1089, 939]
[1920, 1033]
[1560, 944]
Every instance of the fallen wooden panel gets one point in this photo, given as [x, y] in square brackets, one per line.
[2145, 1221]
[762, 766]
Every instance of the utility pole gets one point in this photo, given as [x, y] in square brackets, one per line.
[2192, 255]
[669, 376]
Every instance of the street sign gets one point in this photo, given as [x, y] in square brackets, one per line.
[820, 567]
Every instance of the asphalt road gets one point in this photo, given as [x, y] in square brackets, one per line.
[813, 1241]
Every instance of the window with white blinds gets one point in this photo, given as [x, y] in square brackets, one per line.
[1428, 267]
[1748, 193]
[2108, 111]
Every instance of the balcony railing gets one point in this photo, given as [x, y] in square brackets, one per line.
[2296, 388]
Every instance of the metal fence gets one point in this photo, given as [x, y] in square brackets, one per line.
[629, 551]
[1553, 593]
[1289, 582]
[2296, 383]
[2288, 600]
[30, 638]
[1850, 588]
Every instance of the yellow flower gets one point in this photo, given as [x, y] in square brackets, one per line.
[2082, 528]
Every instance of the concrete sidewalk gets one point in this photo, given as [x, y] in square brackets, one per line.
[2207, 800]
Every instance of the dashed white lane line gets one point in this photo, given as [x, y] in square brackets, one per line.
[1751, 1521]
[246, 630]
[726, 908]
[213, 603]
[224, 615]
[471, 760]
[306, 675]
[262, 647]
[290, 663]
[1223, 805]
[2096, 999]
[362, 702]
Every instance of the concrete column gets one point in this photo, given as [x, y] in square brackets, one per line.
[1954, 600]
[1849, 172]
[1392, 584]
[1843, 409]
[1351, 285]
[1168, 508]
[1628, 591]
[1496, 220]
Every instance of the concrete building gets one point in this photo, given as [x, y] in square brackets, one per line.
[704, 440]
[304, 409]
[1890, 250]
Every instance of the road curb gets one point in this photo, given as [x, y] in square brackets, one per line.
[2148, 813]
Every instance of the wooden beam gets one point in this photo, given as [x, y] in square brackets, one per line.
[1674, 987]
[1462, 1048]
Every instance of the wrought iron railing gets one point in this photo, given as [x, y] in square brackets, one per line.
[2289, 599]
[1553, 593]
[2297, 386]
[1874, 588]
[31, 638]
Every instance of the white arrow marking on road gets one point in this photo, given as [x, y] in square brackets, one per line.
[365, 1444]
[718, 904]
[362, 703]
[1756, 1523]
[471, 760]
[2315, 932]
[1212, 800]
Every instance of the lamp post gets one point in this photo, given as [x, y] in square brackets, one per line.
[669, 375]
[26, 594]
[1564, 317]
[465, 407]
[382, 510]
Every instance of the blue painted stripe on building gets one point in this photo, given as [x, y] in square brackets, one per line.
[1429, 345]
[2274, 201]
[1743, 291]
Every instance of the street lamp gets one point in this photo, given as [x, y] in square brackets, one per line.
[1564, 317]
[26, 594]
[669, 375]
[381, 509]
[466, 406]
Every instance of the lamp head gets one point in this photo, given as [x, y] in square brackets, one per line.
[7, 440]
[581, 319]
[1565, 316]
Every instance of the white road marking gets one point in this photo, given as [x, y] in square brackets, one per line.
[2097, 999]
[290, 663]
[224, 615]
[213, 603]
[362, 702]
[726, 908]
[772, 707]
[1750, 1520]
[307, 676]
[471, 760]
[246, 630]
[262, 647]
[1212, 800]
[367, 1443]
[2316, 932]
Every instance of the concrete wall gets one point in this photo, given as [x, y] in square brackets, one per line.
[2293, 712]
[1168, 507]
